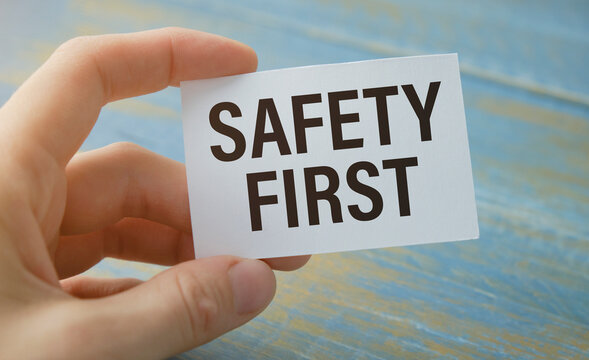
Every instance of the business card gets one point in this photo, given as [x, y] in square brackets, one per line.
[329, 158]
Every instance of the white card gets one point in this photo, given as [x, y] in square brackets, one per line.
[329, 158]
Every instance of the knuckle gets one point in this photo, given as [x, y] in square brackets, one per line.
[126, 150]
[172, 29]
[136, 194]
[175, 32]
[202, 300]
[75, 45]
[81, 56]
[127, 155]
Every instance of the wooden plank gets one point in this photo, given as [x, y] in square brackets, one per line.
[521, 291]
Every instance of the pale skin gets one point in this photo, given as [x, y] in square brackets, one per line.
[61, 211]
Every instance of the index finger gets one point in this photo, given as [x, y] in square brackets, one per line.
[58, 105]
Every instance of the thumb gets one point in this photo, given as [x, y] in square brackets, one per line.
[181, 308]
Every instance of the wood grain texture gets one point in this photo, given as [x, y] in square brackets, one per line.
[521, 291]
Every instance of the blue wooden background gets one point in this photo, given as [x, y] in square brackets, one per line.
[521, 291]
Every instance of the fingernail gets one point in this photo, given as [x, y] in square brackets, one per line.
[253, 284]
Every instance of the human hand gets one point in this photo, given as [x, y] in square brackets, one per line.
[60, 213]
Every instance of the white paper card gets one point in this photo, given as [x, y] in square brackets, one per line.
[329, 158]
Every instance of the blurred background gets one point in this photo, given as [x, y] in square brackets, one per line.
[521, 291]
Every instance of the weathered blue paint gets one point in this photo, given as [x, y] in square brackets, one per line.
[521, 291]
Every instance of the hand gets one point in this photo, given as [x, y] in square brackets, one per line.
[60, 213]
